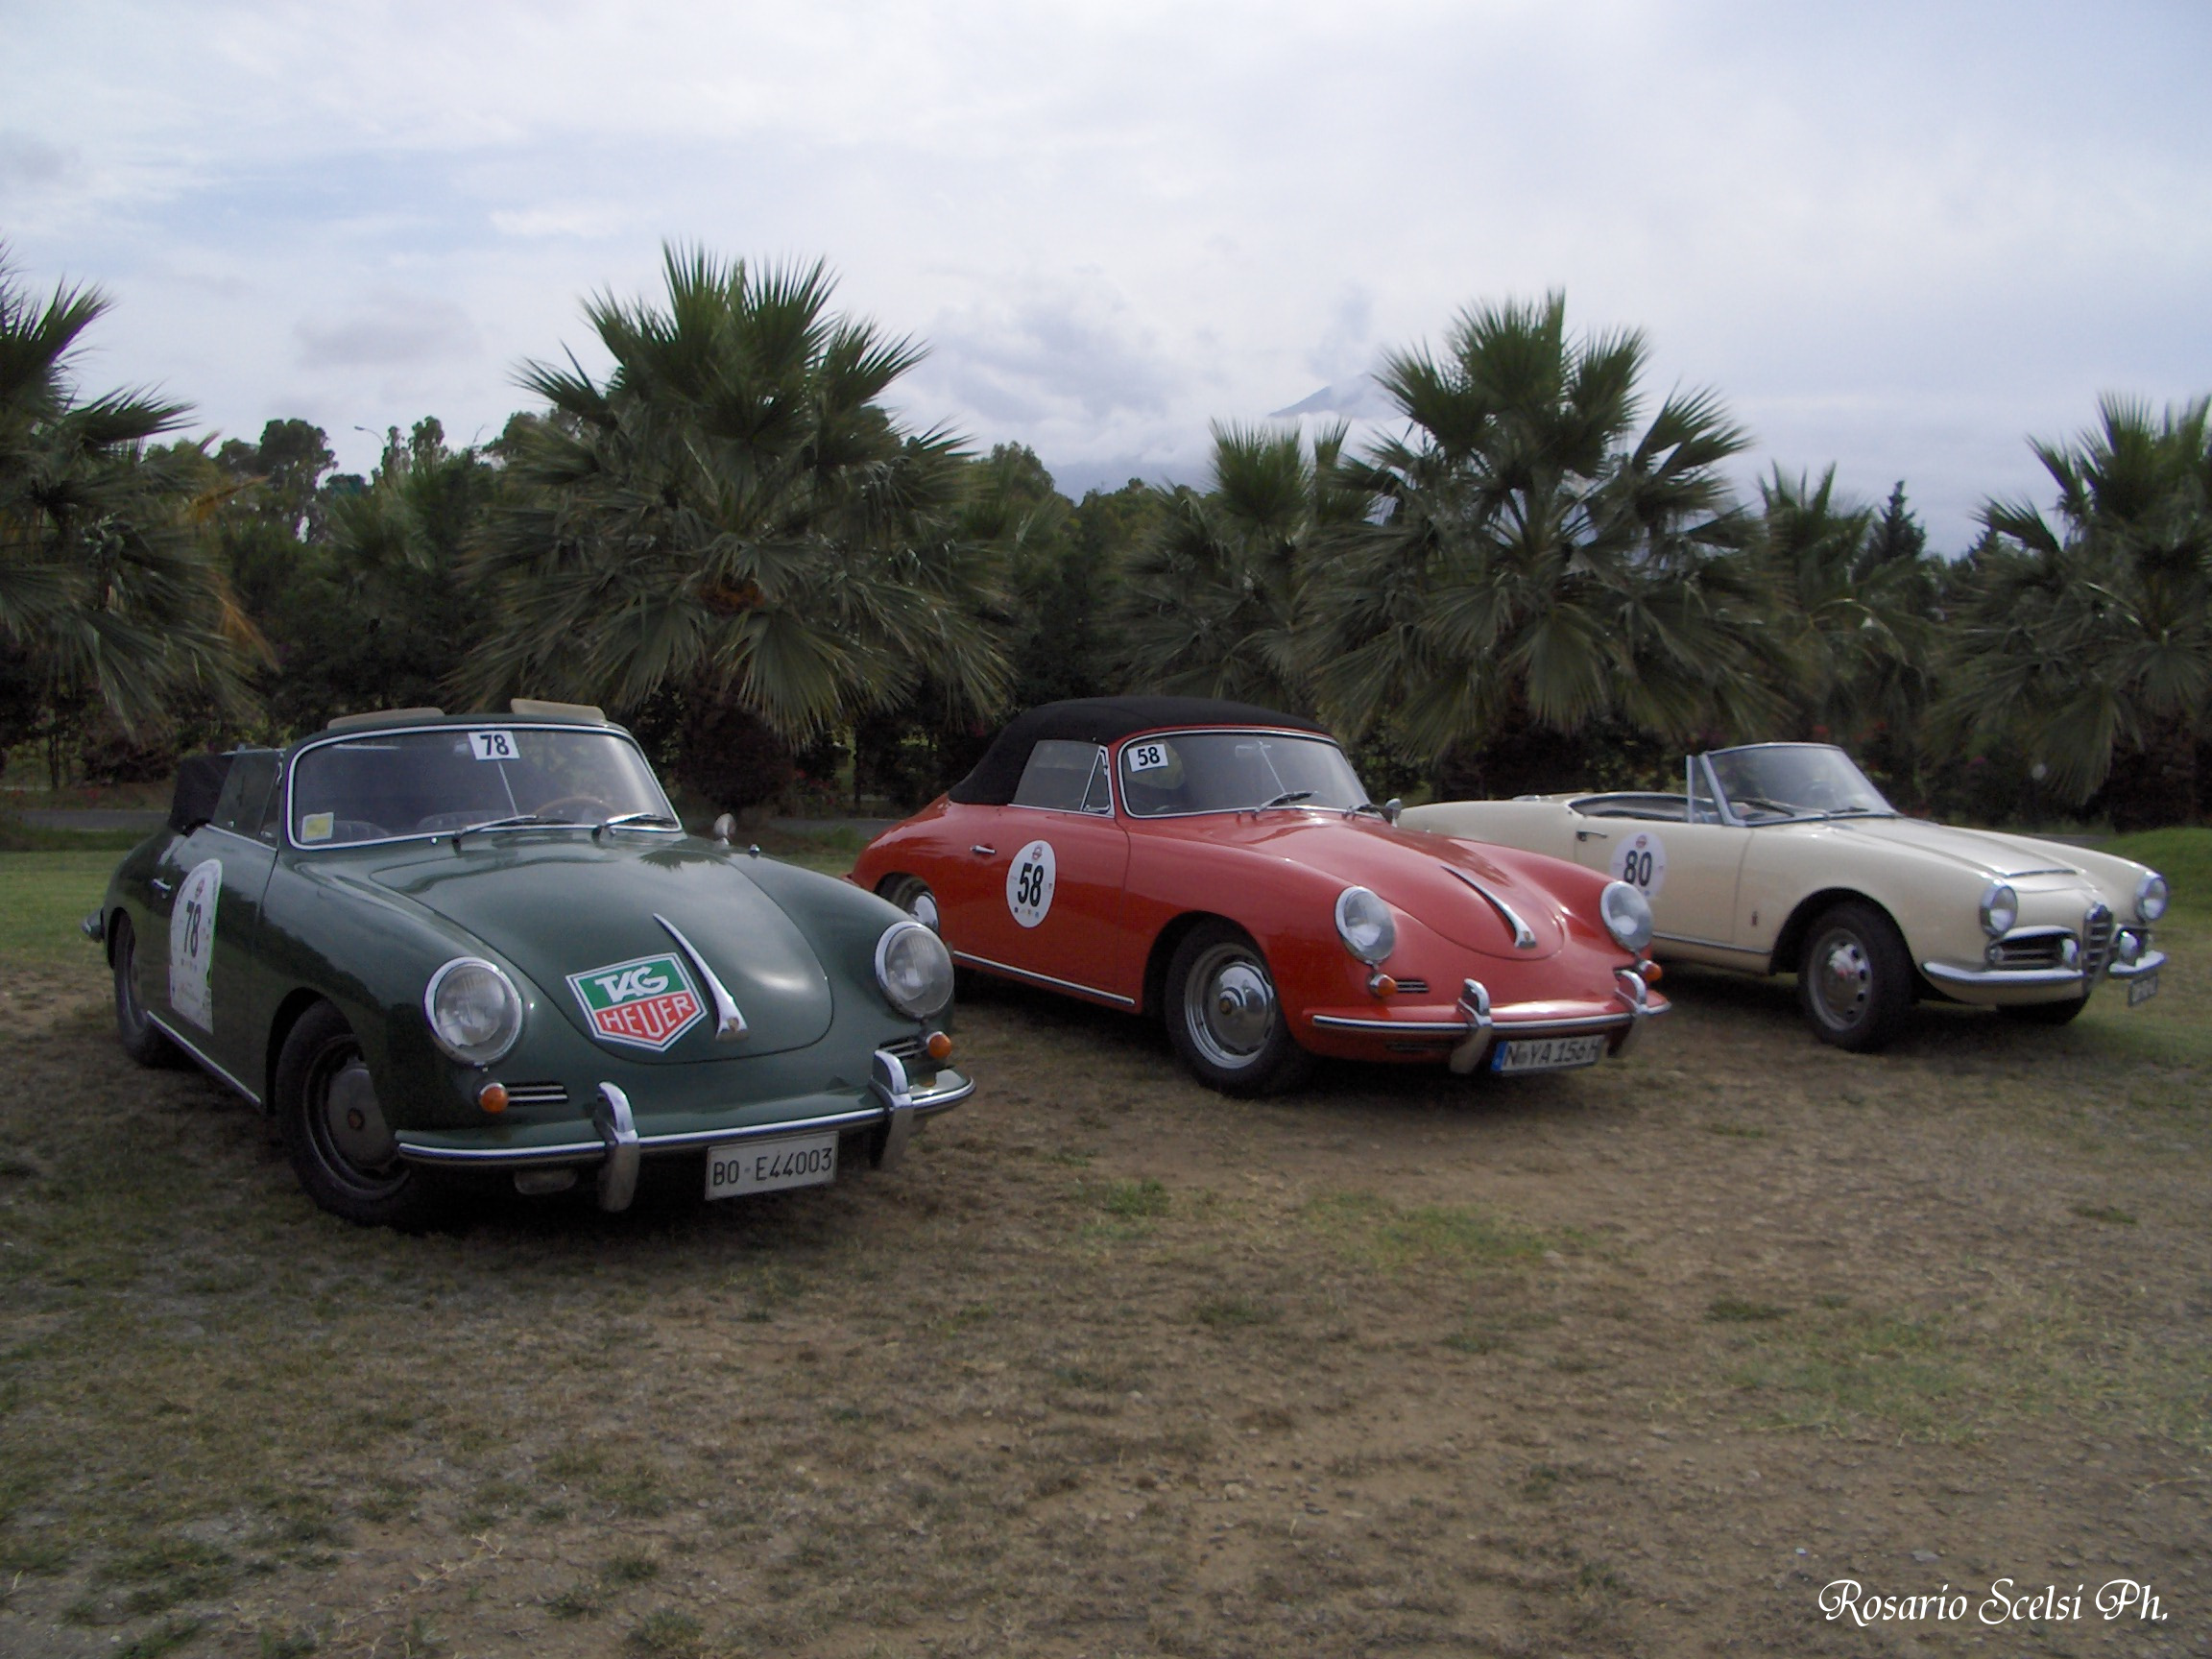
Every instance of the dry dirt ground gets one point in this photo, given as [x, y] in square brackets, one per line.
[1630, 1360]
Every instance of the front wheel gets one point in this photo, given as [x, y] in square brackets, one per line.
[1855, 979]
[335, 1132]
[142, 1040]
[1224, 1018]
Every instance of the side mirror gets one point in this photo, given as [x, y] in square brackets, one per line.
[725, 826]
[1393, 808]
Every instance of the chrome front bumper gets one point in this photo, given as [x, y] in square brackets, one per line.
[1480, 1023]
[617, 1146]
[2031, 979]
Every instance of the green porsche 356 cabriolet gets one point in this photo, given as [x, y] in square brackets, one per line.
[427, 944]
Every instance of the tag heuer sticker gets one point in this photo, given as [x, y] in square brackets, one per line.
[648, 1004]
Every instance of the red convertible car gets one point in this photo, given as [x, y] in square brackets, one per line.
[1220, 865]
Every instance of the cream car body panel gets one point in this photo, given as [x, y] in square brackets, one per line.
[1742, 894]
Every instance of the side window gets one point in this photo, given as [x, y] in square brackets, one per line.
[245, 796]
[273, 814]
[1060, 776]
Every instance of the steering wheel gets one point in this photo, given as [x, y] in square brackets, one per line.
[592, 808]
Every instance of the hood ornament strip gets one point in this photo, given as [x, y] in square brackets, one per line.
[729, 1022]
[1524, 935]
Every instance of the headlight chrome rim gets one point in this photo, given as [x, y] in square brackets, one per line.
[1365, 924]
[1626, 914]
[506, 1033]
[2152, 896]
[2000, 909]
[932, 990]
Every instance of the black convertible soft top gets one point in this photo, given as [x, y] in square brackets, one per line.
[1100, 720]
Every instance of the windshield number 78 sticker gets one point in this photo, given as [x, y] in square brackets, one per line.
[494, 746]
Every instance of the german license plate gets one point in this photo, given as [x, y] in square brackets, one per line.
[1547, 1053]
[2142, 990]
[771, 1165]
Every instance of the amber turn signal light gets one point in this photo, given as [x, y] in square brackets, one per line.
[1382, 985]
[940, 1046]
[1651, 971]
[492, 1097]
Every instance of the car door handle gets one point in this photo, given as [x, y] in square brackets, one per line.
[1593, 836]
[164, 888]
[982, 852]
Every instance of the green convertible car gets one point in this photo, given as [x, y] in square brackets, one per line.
[426, 944]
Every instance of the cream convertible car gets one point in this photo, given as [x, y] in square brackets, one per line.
[1783, 855]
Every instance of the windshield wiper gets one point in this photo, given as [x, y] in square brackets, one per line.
[621, 819]
[1288, 798]
[520, 818]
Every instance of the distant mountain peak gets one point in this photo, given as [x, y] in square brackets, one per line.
[1359, 398]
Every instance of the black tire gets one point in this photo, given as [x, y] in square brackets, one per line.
[2046, 1012]
[912, 895]
[335, 1132]
[1855, 978]
[1223, 1016]
[142, 1040]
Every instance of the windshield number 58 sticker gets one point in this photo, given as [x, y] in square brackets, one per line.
[1147, 756]
[494, 746]
[1029, 884]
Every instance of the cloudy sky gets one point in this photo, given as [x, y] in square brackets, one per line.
[1897, 238]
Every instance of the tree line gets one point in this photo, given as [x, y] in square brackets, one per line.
[732, 543]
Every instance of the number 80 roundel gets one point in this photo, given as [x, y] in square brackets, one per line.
[1029, 884]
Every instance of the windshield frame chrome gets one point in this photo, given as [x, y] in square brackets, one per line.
[1726, 807]
[1121, 801]
[507, 723]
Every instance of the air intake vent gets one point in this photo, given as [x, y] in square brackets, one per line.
[537, 1094]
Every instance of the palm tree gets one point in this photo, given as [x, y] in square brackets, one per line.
[1851, 631]
[734, 513]
[1212, 602]
[107, 595]
[2090, 641]
[1527, 557]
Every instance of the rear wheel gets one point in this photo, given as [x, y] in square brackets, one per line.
[2045, 1013]
[335, 1132]
[142, 1040]
[1223, 1015]
[1855, 979]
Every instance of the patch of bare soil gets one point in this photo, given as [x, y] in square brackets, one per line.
[1630, 1360]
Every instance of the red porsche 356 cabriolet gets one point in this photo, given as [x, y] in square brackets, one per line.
[1220, 865]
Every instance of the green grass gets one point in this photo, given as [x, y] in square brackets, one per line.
[43, 896]
[1379, 1234]
[2184, 856]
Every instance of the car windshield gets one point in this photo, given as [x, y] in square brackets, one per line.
[1770, 781]
[1234, 772]
[399, 784]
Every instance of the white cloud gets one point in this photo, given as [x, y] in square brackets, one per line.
[1894, 236]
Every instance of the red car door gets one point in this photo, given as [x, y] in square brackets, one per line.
[1039, 892]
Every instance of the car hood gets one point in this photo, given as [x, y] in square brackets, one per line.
[1438, 881]
[1985, 852]
[561, 908]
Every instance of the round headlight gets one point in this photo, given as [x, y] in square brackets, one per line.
[914, 969]
[1365, 924]
[2000, 909]
[475, 1013]
[1627, 915]
[2150, 896]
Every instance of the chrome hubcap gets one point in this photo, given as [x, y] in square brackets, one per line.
[1841, 978]
[921, 905]
[1230, 1006]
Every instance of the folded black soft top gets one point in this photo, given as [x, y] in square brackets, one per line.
[1100, 720]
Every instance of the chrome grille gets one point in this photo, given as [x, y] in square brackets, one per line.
[2035, 951]
[1412, 987]
[537, 1094]
[2096, 940]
